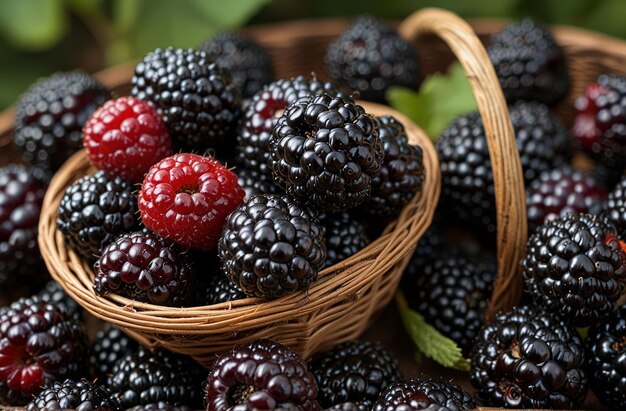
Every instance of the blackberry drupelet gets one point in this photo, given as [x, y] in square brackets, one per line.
[80, 395]
[250, 66]
[356, 372]
[146, 377]
[286, 383]
[39, 343]
[325, 151]
[529, 63]
[22, 189]
[529, 359]
[160, 406]
[220, 289]
[254, 182]
[262, 113]
[346, 406]
[467, 178]
[109, 346]
[615, 208]
[94, 211]
[606, 359]
[370, 57]
[271, 246]
[54, 294]
[575, 267]
[197, 98]
[344, 236]
[50, 116]
[424, 394]
[428, 248]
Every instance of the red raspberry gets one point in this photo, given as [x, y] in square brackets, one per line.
[186, 198]
[125, 137]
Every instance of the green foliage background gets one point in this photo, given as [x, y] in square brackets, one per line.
[38, 37]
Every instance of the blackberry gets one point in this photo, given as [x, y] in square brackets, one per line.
[220, 290]
[575, 267]
[254, 182]
[54, 294]
[94, 211]
[325, 151]
[346, 406]
[250, 66]
[22, 189]
[49, 117]
[606, 359]
[467, 178]
[428, 248]
[147, 377]
[146, 268]
[614, 208]
[271, 246]
[529, 63]
[370, 57]
[355, 372]
[198, 101]
[344, 236]
[424, 394]
[262, 113]
[159, 406]
[39, 343]
[79, 395]
[285, 383]
[109, 346]
[529, 359]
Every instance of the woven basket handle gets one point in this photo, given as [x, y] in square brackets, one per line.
[507, 169]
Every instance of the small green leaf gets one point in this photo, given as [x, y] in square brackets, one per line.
[441, 98]
[33, 24]
[430, 341]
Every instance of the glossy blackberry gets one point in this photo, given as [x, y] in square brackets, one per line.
[575, 267]
[220, 290]
[346, 406]
[147, 377]
[356, 372]
[271, 246]
[325, 151]
[250, 66]
[615, 208]
[198, 101]
[467, 178]
[109, 346]
[160, 406]
[529, 359]
[561, 191]
[262, 113]
[94, 211]
[428, 248]
[54, 294]
[22, 189]
[424, 394]
[254, 182]
[344, 236]
[370, 57]
[606, 359]
[80, 395]
[529, 63]
[262, 375]
[50, 116]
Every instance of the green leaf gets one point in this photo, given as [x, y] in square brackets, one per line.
[33, 24]
[441, 98]
[430, 341]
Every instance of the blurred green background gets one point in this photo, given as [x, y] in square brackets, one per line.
[39, 37]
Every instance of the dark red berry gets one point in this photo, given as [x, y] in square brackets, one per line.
[428, 395]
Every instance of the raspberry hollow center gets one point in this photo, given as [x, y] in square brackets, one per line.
[188, 189]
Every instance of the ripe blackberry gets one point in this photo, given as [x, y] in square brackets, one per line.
[50, 116]
[220, 290]
[250, 66]
[424, 394]
[80, 395]
[560, 191]
[600, 122]
[54, 294]
[39, 343]
[159, 406]
[146, 377]
[94, 211]
[344, 236]
[286, 383]
[606, 359]
[615, 208]
[428, 248]
[467, 178]
[271, 246]
[198, 101]
[575, 267]
[109, 346]
[529, 63]
[346, 406]
[529, 359]
[370, 57]
[261, 115]
[22, 189]
[325, 151]
[254, 182]
[356, 371]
